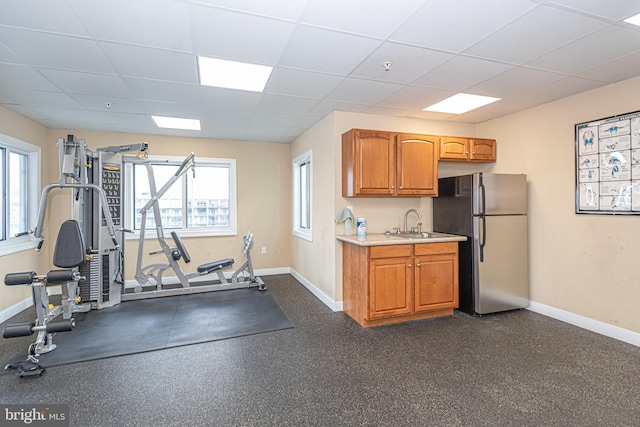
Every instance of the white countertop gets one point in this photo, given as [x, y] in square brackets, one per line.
[378, 239]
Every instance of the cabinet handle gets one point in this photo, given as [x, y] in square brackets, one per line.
[400, 187]
[409, 265]
[418, 265]
[392, 187]
[466, 152]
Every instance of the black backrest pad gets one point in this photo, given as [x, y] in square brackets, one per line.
[70, 251]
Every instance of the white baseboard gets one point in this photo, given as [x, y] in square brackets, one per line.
[333, 305]
[596, 326]
[8, 313]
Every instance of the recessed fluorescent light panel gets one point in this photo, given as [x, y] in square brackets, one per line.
[233, 75]
[176, 123]
[635, 20]
[461, 103]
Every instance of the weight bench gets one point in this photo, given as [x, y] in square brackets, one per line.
[68, 255]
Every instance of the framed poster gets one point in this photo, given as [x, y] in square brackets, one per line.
[608, 165]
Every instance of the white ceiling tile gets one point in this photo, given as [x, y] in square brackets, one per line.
[87, 83]
[314, 49]
[156, 90]
[286, 104]
[460, 73]
[170, 109]
[362, 91]
[415, 97]
[222, 117]
[142, 22]
[224, 34]
[45, 15]
[283, 9]
[558, 89]
[616, 70]
[44, 99]
[540, 30]
[455, 25]
[116, 105]
[269, 117]
[229, 98]
[142, 122]
[407, 63]
[75, 117]
[600, 47]
[375, 18]
[389, 111]
[612, 9]
[514, 81]
[18, 76]
[286, 81]
[324, 108]
[148, 63]
[70, 53]
[8, 57]
[496, 109]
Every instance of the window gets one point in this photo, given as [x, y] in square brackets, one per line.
[302, 196]
[20, 184]
[200, 202]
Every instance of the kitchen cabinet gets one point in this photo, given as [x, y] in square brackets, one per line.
[396, 283]
[381, 163]
[459, 149]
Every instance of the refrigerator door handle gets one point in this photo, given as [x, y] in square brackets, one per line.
[483, 238]
[481, 214]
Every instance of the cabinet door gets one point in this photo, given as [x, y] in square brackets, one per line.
[454, 148]
[390, 287]
[483, 150]
[375, 163]
[417, 165]
[436, 282]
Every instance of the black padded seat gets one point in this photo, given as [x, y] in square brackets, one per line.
[215, 265]
[70, 250]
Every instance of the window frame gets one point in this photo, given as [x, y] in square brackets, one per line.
[183, 231]
[13, 145]
[299, 230]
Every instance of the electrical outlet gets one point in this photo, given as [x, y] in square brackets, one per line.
[264, 250]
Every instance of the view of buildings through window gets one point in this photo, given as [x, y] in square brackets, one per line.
[200, 201]
[14, 180]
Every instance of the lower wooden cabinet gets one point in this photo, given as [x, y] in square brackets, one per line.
[396, 283]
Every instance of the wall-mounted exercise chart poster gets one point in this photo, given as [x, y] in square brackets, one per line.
[608, 165]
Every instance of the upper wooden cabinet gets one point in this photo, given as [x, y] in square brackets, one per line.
[380, 163]
[458, 149]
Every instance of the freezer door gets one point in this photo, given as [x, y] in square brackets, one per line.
[499, 194]
[501, 280]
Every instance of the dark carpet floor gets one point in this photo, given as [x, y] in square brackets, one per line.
[512, 369]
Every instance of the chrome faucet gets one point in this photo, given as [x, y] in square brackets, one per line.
[406, 214]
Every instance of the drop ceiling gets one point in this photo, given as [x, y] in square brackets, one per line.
[109, 65]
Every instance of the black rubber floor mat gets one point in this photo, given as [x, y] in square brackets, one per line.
[160, 323]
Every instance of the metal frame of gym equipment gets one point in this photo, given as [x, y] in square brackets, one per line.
[69, 254]
[150, 283]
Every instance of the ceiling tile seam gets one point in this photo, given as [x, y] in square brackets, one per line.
[248, 13]
[526, 64]
[515, 18]
[578, 73]
[588, 15]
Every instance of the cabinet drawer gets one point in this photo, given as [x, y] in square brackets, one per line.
[391, 251]
[436, 248]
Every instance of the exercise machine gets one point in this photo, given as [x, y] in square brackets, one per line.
[69, 255]
[89, 249]
[149, 278]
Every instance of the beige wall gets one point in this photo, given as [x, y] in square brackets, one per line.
[18, 127]
[584, 264]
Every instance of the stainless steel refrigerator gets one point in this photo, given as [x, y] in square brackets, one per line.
[491, 210]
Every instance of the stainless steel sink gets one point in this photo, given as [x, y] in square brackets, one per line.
[412, 235]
